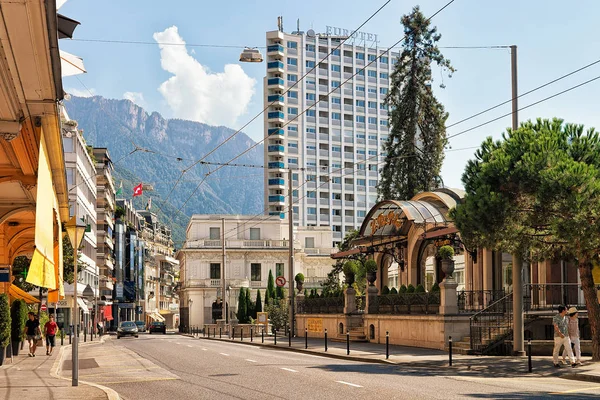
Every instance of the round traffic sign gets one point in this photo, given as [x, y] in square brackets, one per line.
[280, 281]
[44, 307]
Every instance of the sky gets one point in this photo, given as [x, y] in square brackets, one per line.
[208, 84]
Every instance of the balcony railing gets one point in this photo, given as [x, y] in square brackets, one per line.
[216, 283]
[276, 164]
[275, 47]
[275, 81]
[277, 198]
[239, 243]
[276, 181]
[275, 147]
[275, 131]
[276, 114]
[275, 97]
[281, 215]
[275, 64]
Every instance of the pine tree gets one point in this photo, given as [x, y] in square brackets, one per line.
[279, 293]
[249, 306]
[270, 297]
[414, 149]
[258, 305]
[242, 312]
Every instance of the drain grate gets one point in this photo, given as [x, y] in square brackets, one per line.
[84, 363]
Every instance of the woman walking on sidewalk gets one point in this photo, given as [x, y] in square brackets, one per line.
[561, 336]
[50, 331]
[573, 335]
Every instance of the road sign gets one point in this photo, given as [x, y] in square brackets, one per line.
[44, 307]
[280, 281]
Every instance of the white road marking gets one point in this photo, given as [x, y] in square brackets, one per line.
[288, 369]
[249, 360]
[177, 343]
[349, 384]
[204, 349]
[189, 345]
[223, 354]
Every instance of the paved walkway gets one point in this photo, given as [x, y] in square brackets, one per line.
[36, 378]
[419, 358]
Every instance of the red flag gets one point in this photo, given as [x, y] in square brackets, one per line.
[137, 190]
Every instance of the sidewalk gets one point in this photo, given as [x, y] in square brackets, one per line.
[425, 361]
[36, 378]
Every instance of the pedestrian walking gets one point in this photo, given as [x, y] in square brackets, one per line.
[50, 330]
[32, 332]
[561, 336]
[573, 314]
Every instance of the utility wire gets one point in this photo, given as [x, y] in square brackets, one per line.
[523, 108]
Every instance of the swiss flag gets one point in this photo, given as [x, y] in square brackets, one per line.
[137, 190]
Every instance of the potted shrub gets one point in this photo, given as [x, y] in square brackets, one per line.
[371, 269]
[420, 289]
[350, 271]
[299, 278]
[385, 290]
[410, 289]
[446, 254]
[5, 323]
[403, 289]
[393, 291]
[18, 314]
[435, 288]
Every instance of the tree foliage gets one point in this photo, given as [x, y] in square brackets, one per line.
[242, 311]
[18, 313]
[538, 190]
[270, 295]
[5, 321]
[414, 149]
[332, 283]
[278, 314]
[258, 307]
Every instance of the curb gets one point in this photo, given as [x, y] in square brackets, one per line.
[582, 377]
[57, 367]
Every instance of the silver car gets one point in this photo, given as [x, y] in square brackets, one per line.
[127, 328]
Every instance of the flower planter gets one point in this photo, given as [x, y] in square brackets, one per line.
[448, 267]
[15, 348]
[2, 355]
[349, 279]
[371, 277]
[300, 286]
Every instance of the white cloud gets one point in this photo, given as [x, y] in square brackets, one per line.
[81, 92]
[196, 93]
[136, 97]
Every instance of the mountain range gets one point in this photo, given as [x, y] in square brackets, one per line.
[162, 152]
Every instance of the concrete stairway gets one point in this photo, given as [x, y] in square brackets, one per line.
[357, 334]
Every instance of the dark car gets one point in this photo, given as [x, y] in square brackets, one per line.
[141, 326]
[157, 326]
[127, 328]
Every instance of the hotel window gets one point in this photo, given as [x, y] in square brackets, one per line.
[383, 90]
[336, 100]
[372, 137]
[335, 52]
[360, 135]
[311, 147]
[292, 61]
[255, 272]
[310, 47]
[295, 194]
[336, 166]
[292, 78]
[384, 122]
[372, 182]
[311, 96]
[311, 164]
[360, 103]
[215, 271]
[360, 88]
[372, 73]
[335, 115]
[292, 160]
[360, 118]
[360, 182]
[311, 210]
[311, 113]
[372, 90]
[336, 179]
[310, 64]
[254, 233]
[293, 145]
[372, 152]
[383, 60]
[70, 174]
[336, 212]
[336, 68]
[360, 71]
[384, 75]
[360, 56]
[372, 104]
[335, 84]
[294, 177]
[309, 242]
[373, 120]
[311, 178]
[214, 233]
[310, 81]
[311, 130]
[360, 167]
[292, 128]
[292, 110]
[361, 152]
[279, 269]
[311, 195]
[361, 213]
[292, 95]
[292, 45]
[67, 145]
[383, 106]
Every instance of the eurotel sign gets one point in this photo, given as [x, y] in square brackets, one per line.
[364, 37]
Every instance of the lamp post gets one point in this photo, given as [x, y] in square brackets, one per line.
[75, 230]
[190, 302]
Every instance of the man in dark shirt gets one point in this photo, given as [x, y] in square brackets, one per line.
[32, 329]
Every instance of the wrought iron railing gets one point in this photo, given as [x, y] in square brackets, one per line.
[470, 301]
[491, 325]
[407, 303]
[321, 305]
[548, 296]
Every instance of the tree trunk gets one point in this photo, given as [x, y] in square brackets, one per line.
[593, 308]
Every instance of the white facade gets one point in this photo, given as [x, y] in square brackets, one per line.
[337, 144]
[253, 247]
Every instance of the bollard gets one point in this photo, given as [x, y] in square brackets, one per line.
[387, 345]
[289, 338]
[232, 333]
[214, 332]
[450, 351]
[262, 334]
[529, 365]
[84, 334]
[242, 334]
[251, 333]
[220, 328]
[70, 333]
[275, 331]
[62, 338]
[347, 342]
[305, 338]
[325, 339]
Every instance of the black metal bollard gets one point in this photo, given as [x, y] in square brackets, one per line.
[232, 333]
[275, 331]
[251, 335]
[62, 338]
[529, 364]
[326, 339]
[305, 338]
[242, 334]
[450, 351]
[347, 342]
[214, 332]
[262, 335]
[84, 334]
[289, 338]
[387, 345]
[70, 333]
[220, 328]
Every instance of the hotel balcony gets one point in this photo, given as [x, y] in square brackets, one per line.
[276, 99]
[276, 131]
[240, 243]
[281, 214]
[276, 165]
[279, 198]
[276, 148]
[276, 83]
[275, 49]
[276, 182]
[275, 66]
[276, 115]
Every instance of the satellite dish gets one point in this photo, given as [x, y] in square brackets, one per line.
[310, 33]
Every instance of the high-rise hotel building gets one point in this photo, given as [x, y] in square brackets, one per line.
[335, 148]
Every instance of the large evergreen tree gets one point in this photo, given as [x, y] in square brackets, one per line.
[417, 120]
[270, 296]
[249, 306]
[242, 312]
[258, 305]
[538, 191]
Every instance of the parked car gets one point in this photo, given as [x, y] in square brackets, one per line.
[127, 328]
[141, 326]
[157, 326]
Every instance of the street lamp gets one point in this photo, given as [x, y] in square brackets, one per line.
[251, 54]
[190, 302]
[75, 231]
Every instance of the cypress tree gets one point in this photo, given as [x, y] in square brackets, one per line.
[249, 306]
[414, 149]
[242, 312]
[279, 293]
[270, 288]
[258, 305]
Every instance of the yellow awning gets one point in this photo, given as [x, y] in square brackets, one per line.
[15, 292]
[42, 271]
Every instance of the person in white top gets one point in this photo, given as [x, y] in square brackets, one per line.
[573, 335]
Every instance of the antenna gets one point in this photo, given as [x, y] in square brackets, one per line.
[298, 25]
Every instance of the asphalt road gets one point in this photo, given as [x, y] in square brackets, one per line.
[177, 367]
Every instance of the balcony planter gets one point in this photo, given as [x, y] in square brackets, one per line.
[371, 268]
[446, 253]
[299, 278]
[350, 269]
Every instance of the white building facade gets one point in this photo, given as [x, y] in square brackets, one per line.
[336, 146]
[252, 249]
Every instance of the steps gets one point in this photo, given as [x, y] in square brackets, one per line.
[461, 347]
[357, 335]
